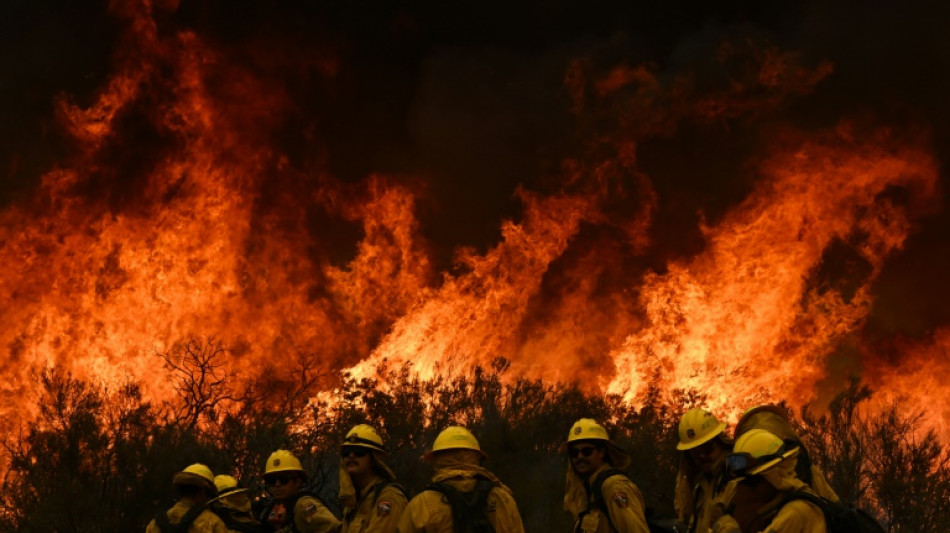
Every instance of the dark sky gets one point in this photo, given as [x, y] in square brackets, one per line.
[469, 97]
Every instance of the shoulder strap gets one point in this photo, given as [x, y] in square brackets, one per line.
[467, 507]
[289, 507]
[378, 489]
[597, 494]
[161, 520]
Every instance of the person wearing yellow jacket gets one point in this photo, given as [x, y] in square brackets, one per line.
[456, 458]
[233, 506]
[601, 498]
[702, 489]
[293, 510]
[764, 465]
[775, 420]
[371, 499]
[195, 487]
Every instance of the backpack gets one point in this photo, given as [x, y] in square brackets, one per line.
[183, 525]
[839, 518]
[656, 525]
[377, 490]
[469, 509]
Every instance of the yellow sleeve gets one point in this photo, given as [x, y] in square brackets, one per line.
[625, 505]
[311, 516]
[385, 514]
[726, 524]
[151, 527]
[503, 511]
[798, 517]
[413, 517]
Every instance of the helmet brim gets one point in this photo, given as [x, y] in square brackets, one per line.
[683, 446]
[193, 480]
[767, 466]
[431, 454]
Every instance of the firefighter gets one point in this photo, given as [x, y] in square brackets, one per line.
[462, 492]
[702, 488]
[372, 500]
[764, 466]
[293, 509]
[195, 488]
[233, 506]
[599, 495]
[775, 419]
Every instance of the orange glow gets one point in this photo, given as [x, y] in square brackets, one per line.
[214, 235]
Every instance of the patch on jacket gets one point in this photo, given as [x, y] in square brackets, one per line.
[620, 498]
[383, 508]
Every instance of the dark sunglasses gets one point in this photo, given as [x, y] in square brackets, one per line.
[282, 479]
[356, 451]
[583, 451]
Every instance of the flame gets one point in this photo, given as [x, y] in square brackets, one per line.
[212, 228]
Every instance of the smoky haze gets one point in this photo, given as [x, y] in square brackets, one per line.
[465, 104]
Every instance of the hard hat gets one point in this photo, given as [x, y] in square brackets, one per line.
[587, 429]
[756, 451]
[364, 436]
[283, 461]
[226, 485]
[455, 438]
[697, 427]
[197, 475]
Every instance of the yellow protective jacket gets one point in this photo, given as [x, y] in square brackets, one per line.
[372, 514]
[430, 512]
[796, 516]
[309, 516]
[623, 501]
[206, 522]
[700, 505]
[234, 509]
[775, 420]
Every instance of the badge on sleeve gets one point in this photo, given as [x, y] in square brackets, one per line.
[620, 498]
[383, 508]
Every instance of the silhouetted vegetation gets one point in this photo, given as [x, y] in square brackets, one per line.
[101, 460]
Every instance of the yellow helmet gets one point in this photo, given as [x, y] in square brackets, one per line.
[587, 429]
[455, 438]
[283, 461]
[226, 485]
[698, 426]
[197, 475]
[364, 436]
[756, 451]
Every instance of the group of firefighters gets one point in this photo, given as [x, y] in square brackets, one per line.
[760, 480]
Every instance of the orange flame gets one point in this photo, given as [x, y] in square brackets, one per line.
[215, 231]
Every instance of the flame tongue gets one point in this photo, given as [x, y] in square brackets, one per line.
[210, 227]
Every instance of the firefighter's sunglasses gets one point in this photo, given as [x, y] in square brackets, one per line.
[583, 451]
[356, 451]
[279, 479]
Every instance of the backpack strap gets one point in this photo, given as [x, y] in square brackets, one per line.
[289, 507]
[468, 508]
[596, 495]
